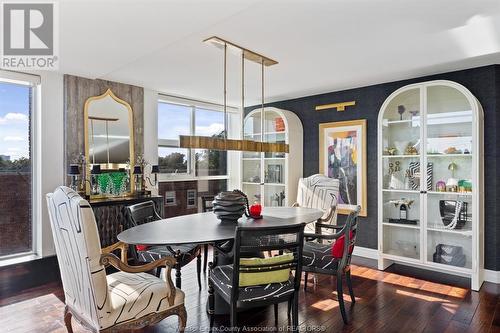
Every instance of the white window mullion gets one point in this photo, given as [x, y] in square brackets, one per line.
[191, 153]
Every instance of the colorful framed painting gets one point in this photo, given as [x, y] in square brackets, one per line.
[342, 155]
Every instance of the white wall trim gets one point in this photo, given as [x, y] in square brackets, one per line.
[365, 252]
[492, 276]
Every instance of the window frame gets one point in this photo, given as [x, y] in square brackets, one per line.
[194, 198]
[34, 82]
[173, 143]
[174, 197]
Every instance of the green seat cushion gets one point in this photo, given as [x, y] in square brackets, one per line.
[254, 279]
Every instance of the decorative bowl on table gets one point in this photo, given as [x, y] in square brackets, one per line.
[230, 206]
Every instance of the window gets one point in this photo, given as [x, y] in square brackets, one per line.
[170, 198]
[173, 120]
[191, 199]
[189, 119]
[210, 162]
[16, 182]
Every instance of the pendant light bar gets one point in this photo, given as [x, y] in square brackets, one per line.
[247, 54]
[214, 143]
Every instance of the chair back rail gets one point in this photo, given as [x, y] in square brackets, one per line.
[349, 231]
[289, 239]
[141, 213]
[206, 203]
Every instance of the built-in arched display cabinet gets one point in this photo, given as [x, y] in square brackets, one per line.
[272, 178]
[431, 217]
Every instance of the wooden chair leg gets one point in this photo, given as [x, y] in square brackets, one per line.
[67, 319]
[295, 312]
[349, 285]
[182, 319]
[178, 276]
[198, 269]
[276, 314]
[289, 310]
[234, 318]
[306, 275]
[340, 296]
[211, 299]
[205, 257]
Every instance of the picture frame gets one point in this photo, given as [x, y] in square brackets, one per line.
[342, 155]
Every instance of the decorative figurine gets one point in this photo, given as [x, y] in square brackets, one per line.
[452, 150]
[391, 151]
[411, 150]
[401, 110]
[414, 113]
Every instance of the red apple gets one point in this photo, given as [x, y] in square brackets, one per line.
[255, 209]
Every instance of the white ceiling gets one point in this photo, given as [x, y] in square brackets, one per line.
[321, 45]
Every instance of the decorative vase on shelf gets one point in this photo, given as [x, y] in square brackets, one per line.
[230, 206]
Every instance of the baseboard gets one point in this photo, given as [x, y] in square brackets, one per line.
[365, 252]
[21, 276]
[492, 276]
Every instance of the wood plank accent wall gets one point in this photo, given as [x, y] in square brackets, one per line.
[76, 91]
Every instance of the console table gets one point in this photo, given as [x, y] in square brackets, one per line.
[111, 215]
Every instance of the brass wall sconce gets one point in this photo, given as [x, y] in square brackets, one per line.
[338, 106]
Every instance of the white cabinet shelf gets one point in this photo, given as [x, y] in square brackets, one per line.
[401, 225]
[271, 178]
[429, 118]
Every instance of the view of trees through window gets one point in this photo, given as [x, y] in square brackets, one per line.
[173, 159]
[15, 169]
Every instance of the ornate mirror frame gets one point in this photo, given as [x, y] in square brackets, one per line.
[89, 100]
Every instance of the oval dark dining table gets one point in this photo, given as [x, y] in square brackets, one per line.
[205, 228]
[202, 228]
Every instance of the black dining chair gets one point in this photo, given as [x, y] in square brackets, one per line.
[145, 212]
[206, 206]
[225, 279]
[319, 258]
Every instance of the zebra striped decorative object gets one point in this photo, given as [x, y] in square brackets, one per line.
[413, 173]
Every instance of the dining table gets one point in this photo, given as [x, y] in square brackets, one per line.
[206, 228]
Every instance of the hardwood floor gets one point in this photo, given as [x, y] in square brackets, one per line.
[398, 300]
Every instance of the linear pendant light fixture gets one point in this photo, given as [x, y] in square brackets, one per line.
[217, 143]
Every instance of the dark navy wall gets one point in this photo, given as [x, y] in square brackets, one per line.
[483, 82]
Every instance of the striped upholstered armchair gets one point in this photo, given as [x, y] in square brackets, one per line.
[127, 299]
[321, 192]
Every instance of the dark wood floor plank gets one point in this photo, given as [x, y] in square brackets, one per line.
[391, 301]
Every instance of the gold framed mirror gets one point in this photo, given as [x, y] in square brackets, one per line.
[109, 145]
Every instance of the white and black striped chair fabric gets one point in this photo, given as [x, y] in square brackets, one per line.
[222, 275]
[319, 255]
[320, 192]
[103, 303]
